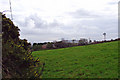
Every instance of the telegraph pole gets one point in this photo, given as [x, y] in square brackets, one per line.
[11, 9]
[0, 45]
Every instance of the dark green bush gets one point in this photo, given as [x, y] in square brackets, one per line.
[17, 61]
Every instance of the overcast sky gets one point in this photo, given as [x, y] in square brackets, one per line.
[49, 20]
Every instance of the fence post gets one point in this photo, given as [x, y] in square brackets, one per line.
[0, 45]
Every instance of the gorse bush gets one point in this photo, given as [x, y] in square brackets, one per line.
[17, 61]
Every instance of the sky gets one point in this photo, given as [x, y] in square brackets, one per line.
[50, 20]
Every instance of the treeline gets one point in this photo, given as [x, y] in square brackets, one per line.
[37, 46]
[97, 42]
[53, 45]
[63, 44]
[17, 61]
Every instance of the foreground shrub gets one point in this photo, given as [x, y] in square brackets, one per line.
[17, 61]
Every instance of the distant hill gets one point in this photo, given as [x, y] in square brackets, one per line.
[90, 61]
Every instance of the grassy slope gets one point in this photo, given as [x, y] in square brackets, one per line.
[91, 61]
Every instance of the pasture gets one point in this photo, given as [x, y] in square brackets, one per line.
[90, 61]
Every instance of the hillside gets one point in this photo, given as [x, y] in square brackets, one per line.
[91, 61]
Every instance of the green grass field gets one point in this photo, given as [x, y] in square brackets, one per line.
[91, 61]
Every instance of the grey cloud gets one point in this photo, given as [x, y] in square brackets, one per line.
[40, 23]
[107, 24]
[36, 21]
[55, 23]
[94, 22]
[113, 3]
[41, 27]
[55, 30]
[82, 14]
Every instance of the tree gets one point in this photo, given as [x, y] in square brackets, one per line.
[17, 61]
[36, 47]
[49, 45]
[34, 44]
